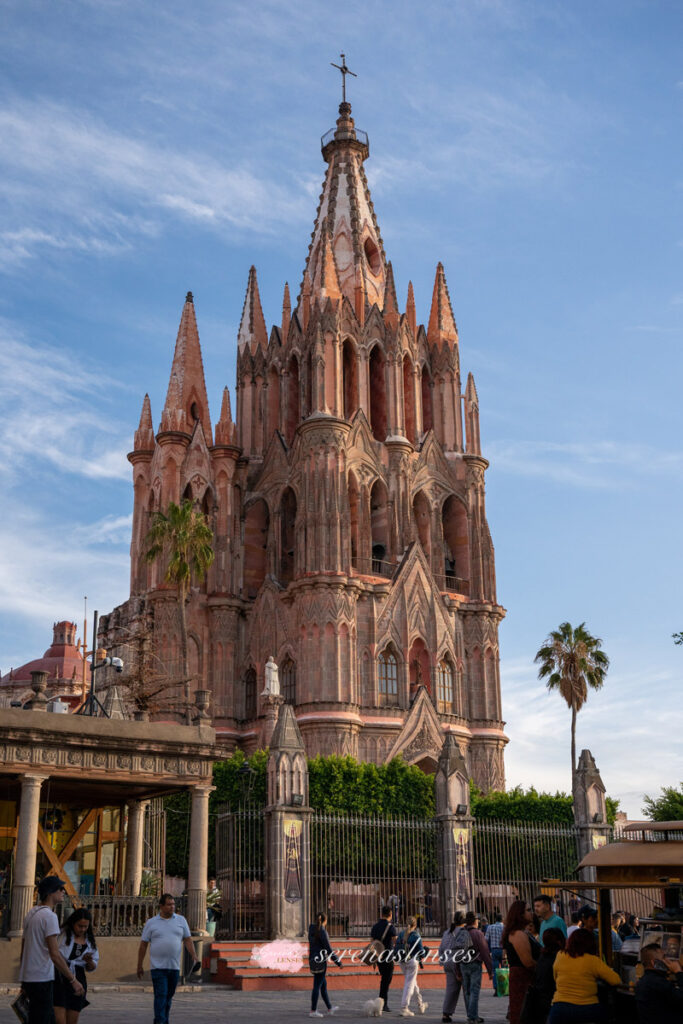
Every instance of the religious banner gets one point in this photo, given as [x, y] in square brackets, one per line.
[292, 827]
[598, 841]
[461, 838]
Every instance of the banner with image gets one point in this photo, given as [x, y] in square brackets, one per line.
[292, 827]
[461, 838]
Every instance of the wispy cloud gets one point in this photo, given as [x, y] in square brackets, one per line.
[54, 421]
[603, 465]
[617, 724]
[71, 182]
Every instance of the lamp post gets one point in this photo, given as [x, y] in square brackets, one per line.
[92, 705]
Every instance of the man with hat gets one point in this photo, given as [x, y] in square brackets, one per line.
[40, 953]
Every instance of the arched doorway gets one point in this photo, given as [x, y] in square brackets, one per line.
[379, 527]
[456, 557]
[419, 668]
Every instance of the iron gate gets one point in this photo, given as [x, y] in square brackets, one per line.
[512, 859]
[240, 872]
[359, 864]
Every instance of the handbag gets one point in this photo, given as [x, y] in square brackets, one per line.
[20, 1007]
[374, 948]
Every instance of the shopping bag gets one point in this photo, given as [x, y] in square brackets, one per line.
[503, 981]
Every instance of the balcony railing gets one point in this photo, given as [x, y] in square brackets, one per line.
[328, 137]
[374, 567]
[456, 584]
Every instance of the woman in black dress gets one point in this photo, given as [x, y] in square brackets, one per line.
[78, 947]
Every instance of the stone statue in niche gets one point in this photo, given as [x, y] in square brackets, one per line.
[272, 687]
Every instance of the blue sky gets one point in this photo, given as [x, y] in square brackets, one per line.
[533, 147]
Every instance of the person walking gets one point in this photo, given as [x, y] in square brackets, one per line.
[577, 970]
[522, 953]
[471, 940]
[166, 933]
[78, 947]
[451, 967]
[40, 954]
[411, 951]
[385, 933]
[320, 952]
[494, 939]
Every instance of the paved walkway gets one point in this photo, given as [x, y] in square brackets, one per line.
[218, 1006]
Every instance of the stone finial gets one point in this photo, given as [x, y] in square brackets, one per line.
[411, 313]
[390, 308]
[452, 780]
[286, 313]
[189, 297]
[39, 700]
[590, 806]
[472, 438]
[144, 435]
[225, 428]
[287, 735]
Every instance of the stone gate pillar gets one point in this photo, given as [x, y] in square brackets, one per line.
[24, 880]
[455, 832]
[590, 811]
[287, 832]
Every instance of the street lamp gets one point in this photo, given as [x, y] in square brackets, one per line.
[91, 705]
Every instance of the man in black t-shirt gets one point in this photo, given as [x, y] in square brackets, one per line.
[386, 933]
[659, 1000]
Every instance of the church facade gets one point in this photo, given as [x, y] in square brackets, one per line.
[347, 504]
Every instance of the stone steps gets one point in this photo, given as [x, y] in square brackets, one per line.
[230, 963]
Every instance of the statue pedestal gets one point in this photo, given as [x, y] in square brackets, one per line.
[272, 702]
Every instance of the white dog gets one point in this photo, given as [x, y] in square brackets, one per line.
[373, 1007]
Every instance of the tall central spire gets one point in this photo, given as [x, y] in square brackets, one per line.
[346, 229]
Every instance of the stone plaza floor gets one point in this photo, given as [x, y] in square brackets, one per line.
[215, 1005]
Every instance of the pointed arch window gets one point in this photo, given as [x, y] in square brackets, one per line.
[444, 686]
[250, 694]
[288, 681]
[388, 678]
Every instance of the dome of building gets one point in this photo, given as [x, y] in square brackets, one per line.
[62, 661]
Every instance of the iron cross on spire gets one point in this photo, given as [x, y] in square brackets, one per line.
[344, 72]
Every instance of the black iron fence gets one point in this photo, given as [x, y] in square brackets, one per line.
[360, 864]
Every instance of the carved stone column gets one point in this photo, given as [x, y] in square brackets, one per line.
[24, 881]
[590, 811]
[272, 702]
[134, 846]
[452, 793]
[197, 874]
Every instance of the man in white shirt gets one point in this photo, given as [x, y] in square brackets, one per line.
[165, 934]
[40, 954]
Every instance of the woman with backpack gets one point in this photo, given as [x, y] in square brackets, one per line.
[319, 952]
[409, 952]
[451, 967]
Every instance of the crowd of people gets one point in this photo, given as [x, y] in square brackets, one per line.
[552, 974]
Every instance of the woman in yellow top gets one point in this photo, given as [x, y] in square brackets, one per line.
[576, 972]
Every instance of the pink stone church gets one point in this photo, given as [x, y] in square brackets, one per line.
[347, 503]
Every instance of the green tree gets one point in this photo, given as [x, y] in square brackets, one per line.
[677, 638]
[572, 661]
[182, 536]
[667, 807]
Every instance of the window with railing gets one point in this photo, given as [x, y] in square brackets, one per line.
[388, 678]
[444, 686]
[288, 681]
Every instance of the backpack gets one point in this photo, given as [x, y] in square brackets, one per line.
[462, 940]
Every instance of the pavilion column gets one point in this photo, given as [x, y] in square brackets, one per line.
[134, 846]
[24, 882]
[197, 876]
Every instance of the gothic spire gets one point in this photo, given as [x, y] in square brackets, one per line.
[144, 435]
[225, 428]
[472, 438]
[410, 307]
[252, 332]
[390, 307]
[346, 214]
[186, 399]
[441, 320]
[286, 313]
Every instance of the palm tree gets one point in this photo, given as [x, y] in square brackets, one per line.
[571, 661]
[184, 536]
